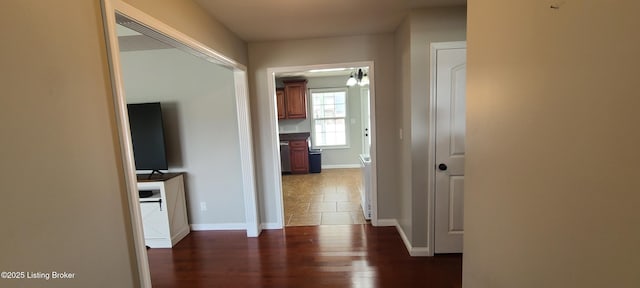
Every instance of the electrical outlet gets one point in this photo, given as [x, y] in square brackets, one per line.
[203, 206]
[400, 132]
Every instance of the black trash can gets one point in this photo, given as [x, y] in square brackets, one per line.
[315, 160]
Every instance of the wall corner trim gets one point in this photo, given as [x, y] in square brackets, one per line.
[413, 251]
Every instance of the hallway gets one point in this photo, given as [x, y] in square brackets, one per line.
[312, 256]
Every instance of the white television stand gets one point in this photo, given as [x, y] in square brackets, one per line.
[164, 214]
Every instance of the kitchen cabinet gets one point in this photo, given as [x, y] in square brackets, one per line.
[281, 104]
[297, 146]
[292, 101]
[299, 156]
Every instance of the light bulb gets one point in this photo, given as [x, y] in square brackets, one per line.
[352, 81]
[365, 80]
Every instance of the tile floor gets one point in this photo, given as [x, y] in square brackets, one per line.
[328, 198]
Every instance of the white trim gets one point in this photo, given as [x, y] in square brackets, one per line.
[126, 147]
[341, 166]
[110, 8]
[246, 154]
[374, 145]
[387, 222]
[270, 226]
[218, 226]
[274, 142]
[152, 23]
[431, 161]
[413, 251]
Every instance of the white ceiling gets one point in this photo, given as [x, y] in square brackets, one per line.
[260, 20]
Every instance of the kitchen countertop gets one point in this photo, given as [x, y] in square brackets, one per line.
[294, 136]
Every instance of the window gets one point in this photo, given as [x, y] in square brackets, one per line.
[329, 119]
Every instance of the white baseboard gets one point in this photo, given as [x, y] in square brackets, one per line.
[413, 251]
[218, 226]
[419, 252]
[270, 226]
[387, 222]
[341, 166]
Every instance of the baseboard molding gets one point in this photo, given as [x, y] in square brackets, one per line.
[387, 222]
[270, 226]
[419, 252]
[413, 251]
[218, 226]
[341, 166]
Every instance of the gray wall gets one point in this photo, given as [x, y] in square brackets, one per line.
[403, 79]
[413, 40]
[378, 48]
[199, 109]
[339, 156]
[552, 185]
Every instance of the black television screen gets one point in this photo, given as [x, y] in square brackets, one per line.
[147, 135]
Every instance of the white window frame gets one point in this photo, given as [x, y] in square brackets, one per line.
[346, 118]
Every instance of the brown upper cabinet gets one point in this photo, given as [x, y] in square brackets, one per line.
[282, 114]
[292, 100]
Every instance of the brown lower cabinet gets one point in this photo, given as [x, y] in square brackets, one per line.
[299, 155]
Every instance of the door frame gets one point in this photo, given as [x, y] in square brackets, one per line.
[109, 10]
[431, 161]
[275, 137]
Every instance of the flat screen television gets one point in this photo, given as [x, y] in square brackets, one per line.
[147, 135]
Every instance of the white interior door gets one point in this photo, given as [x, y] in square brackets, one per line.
[450, 137]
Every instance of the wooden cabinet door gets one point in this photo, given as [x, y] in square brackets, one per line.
[281, 104]
[299, 152]
[296, 99]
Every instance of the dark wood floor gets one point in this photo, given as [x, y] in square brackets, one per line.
[309, 256]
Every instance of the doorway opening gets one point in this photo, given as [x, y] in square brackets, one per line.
[335, 137]
[153, 32]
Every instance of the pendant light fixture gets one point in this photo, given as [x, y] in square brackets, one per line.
[361, 78]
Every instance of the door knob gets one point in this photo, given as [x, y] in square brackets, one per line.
[442, 167]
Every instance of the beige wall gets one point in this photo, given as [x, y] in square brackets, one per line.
[413, 40]
[189, 18]
[552, 194]
[63, 190]
[377, 48]
[63, 195]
